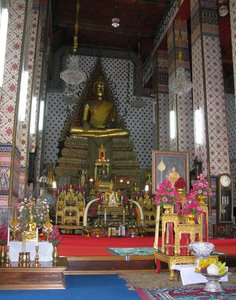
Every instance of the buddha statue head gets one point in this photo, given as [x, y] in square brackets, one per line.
[99, 88]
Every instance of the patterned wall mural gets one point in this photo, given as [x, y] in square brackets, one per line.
[138, 121]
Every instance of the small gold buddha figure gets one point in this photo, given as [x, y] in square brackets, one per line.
[30, 233]
[99, 116]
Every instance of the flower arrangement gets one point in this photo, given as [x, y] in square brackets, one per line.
[180, 183]
[54, 236]
[166, 194]
[191, 205]
[201, 186]
[3, 235]
[38, 209]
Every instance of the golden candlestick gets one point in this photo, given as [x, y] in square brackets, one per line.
[8, 261]
[24, 259]
[36, 258]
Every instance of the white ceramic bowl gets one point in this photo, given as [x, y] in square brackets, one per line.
[201, 249]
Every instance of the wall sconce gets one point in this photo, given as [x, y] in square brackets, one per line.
[23, 95]
[146, 188]
[172, 124]
[33, 115]
[41, 115]
[198, 126]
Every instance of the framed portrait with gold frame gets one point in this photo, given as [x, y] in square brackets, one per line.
[171, 166]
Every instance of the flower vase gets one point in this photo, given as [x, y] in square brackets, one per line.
[2, 255]
[191, 219]
[55, 254]
[201, 199]
[168, 209]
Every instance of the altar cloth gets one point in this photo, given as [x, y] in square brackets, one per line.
[189, 276]
[45, 250]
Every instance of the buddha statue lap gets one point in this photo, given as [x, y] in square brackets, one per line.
[99, 117]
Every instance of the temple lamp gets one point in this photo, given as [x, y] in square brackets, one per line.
[73, 75]
[181, 84]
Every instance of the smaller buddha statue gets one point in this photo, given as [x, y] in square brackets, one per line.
[30, 233]
[99, 116]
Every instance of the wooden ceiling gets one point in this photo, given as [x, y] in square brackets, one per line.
[139, 23]
[139, 20]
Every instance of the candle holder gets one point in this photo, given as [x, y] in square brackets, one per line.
[7, 261]
[36, 258]
[24, 259]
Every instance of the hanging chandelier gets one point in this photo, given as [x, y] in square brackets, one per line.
[138, 102]
[181, 84]
[73, 75]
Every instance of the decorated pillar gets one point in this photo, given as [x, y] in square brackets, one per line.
[162, 101]
[9, 150]
[211, 140]
[31, 34]
[41, 85]
[180, 101]
[232, 11]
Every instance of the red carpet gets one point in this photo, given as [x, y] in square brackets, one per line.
[74, 245]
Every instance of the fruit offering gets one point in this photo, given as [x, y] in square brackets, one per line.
[204, 263]
[217, 268]
[211, 266]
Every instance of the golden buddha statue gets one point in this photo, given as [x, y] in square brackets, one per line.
[99, 117]
[30, 233]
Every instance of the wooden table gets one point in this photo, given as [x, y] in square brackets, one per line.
[46, 276]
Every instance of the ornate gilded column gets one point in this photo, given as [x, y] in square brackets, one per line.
[9, 151]
[162, 101]
[181, 104]
[208, 89]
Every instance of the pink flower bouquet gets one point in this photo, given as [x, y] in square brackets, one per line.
[166, 194]
[201, 186]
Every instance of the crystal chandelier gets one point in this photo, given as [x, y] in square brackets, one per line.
[73, 75]
[138, 102]
[181, 84]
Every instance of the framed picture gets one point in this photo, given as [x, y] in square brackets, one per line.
[171, 166]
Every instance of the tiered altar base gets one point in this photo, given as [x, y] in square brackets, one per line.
[45, 276]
